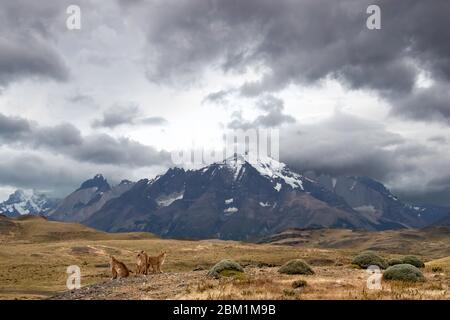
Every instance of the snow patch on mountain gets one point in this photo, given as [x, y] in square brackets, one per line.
[366, 209]
[333, 182]
[231, 210]
[267, 167]
[23, 202]
[167, 200]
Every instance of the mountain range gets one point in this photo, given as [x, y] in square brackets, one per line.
[241, 200]
[90, 197]
[27, 202]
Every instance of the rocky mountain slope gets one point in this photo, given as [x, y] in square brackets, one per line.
[444, 222]
[89, 198]
[240, 199]
[234, 199]
[373, 200]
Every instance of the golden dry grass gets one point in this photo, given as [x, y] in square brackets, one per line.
[33, 266]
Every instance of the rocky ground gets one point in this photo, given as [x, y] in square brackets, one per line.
[153, 286]
[330, 282]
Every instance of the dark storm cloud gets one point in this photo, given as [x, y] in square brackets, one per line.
[26, 46]
[273, 116]
[59, 174]
[238, 122]
[23, 57]
[431, 103]
[443, 181]
[436, 192]
[81, 98]
[60, 136]
[154, 121]
[104, 149]
[29, 170]
[116, 116]
[20, 131]
[129, 115]
[13, 128]
[67, 140]
[274, 113]
[302, 42]
[218, 97]
[438, 139]
[344, 144]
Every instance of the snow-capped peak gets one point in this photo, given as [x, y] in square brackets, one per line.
[267, 167]
[26, 202]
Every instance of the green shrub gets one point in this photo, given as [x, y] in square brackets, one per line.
[296, 266]
[232, 273]
[225, 268]
[299, 284]
[395, 261]
[413, 260]
[369, 258]
[403, 272]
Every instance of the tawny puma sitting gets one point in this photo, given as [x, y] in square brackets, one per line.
[156, 262]
[141, 263]
[118, 269]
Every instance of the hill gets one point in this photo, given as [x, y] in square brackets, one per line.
[434, 241]
[36, 253]
[37, 229]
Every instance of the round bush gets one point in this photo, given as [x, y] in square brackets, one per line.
[395, 261]
[403, 272]
[226, 266]
[413, 260]
[369, 258]
[296, 266]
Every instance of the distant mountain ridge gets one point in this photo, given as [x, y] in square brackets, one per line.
[372, 199]
[229, 200]
[242, 200]
[27, 202]
[87, 199]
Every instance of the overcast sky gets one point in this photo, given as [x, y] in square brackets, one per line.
[143, 78]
